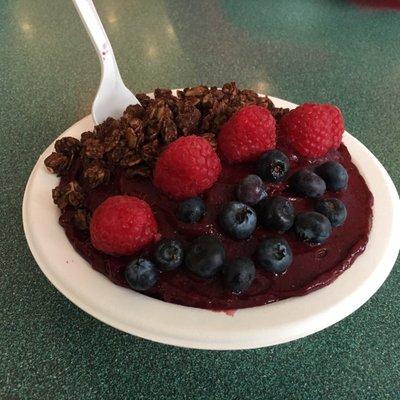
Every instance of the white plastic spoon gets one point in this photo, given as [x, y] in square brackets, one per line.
[113, 96]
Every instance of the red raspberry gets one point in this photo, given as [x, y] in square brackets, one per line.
[247, 134]
[122, 225]
[313, 129]
[187, 167]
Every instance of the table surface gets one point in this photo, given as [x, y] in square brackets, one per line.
[299, 50]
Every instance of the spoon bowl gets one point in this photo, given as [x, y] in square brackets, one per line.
[113, 96]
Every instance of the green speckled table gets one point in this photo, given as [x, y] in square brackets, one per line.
[296, 49]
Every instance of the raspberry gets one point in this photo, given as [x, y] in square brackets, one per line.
[313, 129]
[187, 167]
[247, 134]
[122, 225]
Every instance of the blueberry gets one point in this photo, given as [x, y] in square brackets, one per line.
[168, 254]
[334, 175]
[312, 227]
[141, 274]
[276, 213]
[191, 210]
[333, 209]
[251, 190]
[274, 255]
[238, 220]
[239, 274]
[273, 166]
[205, 256]
[306, 183]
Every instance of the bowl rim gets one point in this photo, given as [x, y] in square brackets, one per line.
[183, 326]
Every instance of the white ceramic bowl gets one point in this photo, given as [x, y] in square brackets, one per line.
[168, 323]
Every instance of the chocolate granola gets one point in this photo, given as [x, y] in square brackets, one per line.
[134, 141]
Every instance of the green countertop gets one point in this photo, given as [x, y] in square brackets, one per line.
[299, 50]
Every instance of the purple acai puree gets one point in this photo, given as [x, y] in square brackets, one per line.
[313, 266]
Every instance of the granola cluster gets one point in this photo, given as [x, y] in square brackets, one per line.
[134, 141]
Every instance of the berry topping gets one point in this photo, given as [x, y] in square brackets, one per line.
[312, 227]
[239, 274]
[168, 254]
[273, 166]
[306, 183]
[187, 167]
[275, 255]
[276, 213]
[122, 225]
[205, 256]
[251, 190]
[238, 220]
[313, 129]
[141, 274]
[333, 209]
[247, 134]
[334, 175]
[191, 210]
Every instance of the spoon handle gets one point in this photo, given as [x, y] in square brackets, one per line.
[95, 29]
